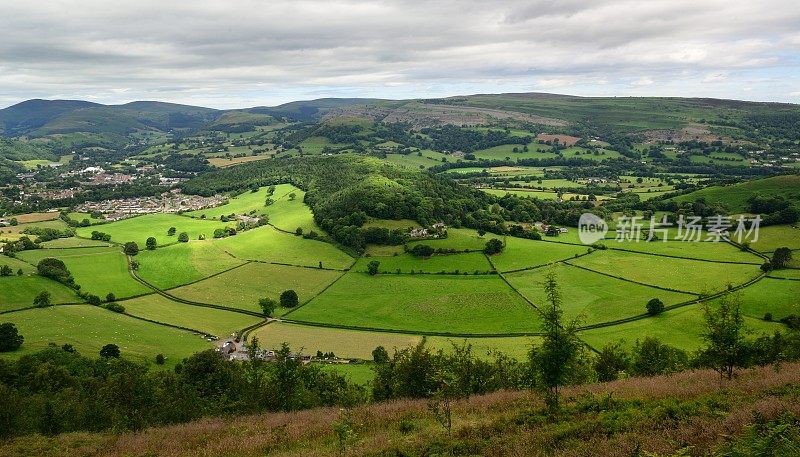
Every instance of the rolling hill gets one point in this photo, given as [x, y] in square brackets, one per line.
[735, 196]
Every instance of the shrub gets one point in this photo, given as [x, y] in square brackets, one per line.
[655, 306]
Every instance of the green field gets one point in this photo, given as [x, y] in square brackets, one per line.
[735, 196]
[591, 297]
[287, 214]
[19, 291]
[245, 203]
[521, 253]
[681, 328]
[139, 228]
[182, 263]
[697, 250]
[359, 344]
[459, 304]
[449, 263]
[242, 287]
[344, 343]
[73, 242]
[270, 245]
[776, 236]
[458, 239]
[88, 328]
[683, 275]
[776, 296]
[97, 270]
[208, 320]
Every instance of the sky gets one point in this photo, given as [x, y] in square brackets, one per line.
[242, 53]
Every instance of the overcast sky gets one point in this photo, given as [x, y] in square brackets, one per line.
[228, 54]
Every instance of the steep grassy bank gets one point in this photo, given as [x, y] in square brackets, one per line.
[690, 413]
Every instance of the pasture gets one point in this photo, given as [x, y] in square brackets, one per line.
[591, 297]
[270, 245]
[19, 291]
[691, 276]
[139, 228]
[522, 253]
[427, 303]
[459, 239]
[470, 262]
[242, 287]
[247, 202]
[98, 270]
[182, 263]
[88, 328]
[208, 320]
[681, 328]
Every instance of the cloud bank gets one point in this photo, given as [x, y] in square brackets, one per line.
[244, 53]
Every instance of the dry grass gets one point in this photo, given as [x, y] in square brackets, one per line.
[491, 420]
[36, 217]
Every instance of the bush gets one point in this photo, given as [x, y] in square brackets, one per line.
[289, 299]
[10, 339]
[493, 246]
[655, 306]
[422, 250]
[115, 307]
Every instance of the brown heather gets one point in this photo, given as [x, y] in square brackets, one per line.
[693, 409]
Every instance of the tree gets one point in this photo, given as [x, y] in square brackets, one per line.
[10, 339]
[610, 362]
[110, 351]
[171, 231]
[493, 246]
[42, 300]
[655, 306]
[299, 231]
[93, 300]
[422, 250]
[651, 357]
[781, 257]
[111, 297]
[160, 359]
[556, 359]
[292, 196]
[130, 248]
[372, 267]
[289, 299]
[183, 237]
[725, 346]
[151, 243]
[5, 270]
[380, 355]
[268, 306]
[54, 269]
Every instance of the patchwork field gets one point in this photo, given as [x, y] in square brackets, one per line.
[208, 320]
[700, 250]
[521, 253]
[182, 263]
[139, 228]
[98, 270]
[242, 287]
[19, 291]
[592, 298]
[427, 303]
[681, 328]
[270, 245]
[777, 236]
[692, 276]
[469, 262]
[88, 328]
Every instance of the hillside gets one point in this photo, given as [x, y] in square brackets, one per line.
[690, 413]
[735, 196]
[26, 116]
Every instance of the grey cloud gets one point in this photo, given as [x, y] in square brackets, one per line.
[271, 50]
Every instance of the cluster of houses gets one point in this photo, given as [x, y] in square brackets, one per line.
[231, 350]
[422, 232]
[168, 202]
